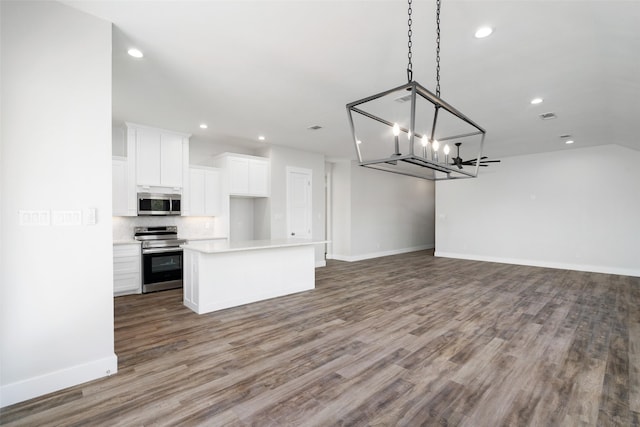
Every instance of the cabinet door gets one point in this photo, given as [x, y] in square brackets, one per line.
[170, 160]
[119, 187]
[213, 193]
[147, 157]
[197, 192]
[258, 178]
[238, 175]
[126, 269]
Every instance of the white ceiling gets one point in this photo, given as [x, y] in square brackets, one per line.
[274, 68]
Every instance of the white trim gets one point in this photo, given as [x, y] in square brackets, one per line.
[57, 380]
[328, 208]
[547, 264]
[352, 258]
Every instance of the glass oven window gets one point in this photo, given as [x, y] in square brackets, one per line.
[162, 267]
[160, 264]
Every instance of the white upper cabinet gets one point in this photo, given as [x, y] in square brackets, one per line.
[119, 186]
[238, 168]
[248, 176]
[213, 192]
[259, 177]
[170, 160]
[123, 186]
[205, 191]
[160, 156]
[147, 156]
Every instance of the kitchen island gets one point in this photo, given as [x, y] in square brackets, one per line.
[222, 274]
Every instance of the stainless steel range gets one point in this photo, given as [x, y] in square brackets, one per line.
[161, 258]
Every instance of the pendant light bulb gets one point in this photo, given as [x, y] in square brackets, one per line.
[425, 141]
[436, 145]
[446, 150]
[396, 129]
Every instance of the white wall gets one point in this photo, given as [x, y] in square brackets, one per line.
[56, 292]
[379, 213]
[577, 209]
[275, 208]
[241, 219]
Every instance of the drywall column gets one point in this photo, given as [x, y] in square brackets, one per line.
[56, 289]
[379, 213]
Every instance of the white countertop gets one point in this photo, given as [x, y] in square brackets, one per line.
[126, 242]
[221, 246]
[195, 239]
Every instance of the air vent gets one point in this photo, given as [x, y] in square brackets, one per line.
[566, 135]
[314, 127]
[548, 116]
[403, 99]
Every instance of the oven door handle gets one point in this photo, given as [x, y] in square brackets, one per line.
[160, 250]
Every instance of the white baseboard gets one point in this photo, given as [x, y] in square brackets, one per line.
[352, 258]
[57, 380]
[547, 264]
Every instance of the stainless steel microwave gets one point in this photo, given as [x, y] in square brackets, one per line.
[158, 204]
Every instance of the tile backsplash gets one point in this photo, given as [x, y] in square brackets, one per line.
[188, 227]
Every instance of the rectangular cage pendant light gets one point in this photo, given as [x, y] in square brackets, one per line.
[410, 131]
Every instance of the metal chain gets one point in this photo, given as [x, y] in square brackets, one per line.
[438, 48]
[409, 43]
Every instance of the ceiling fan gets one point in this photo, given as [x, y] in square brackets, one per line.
[457, 161]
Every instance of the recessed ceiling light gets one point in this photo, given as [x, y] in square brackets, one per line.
[570, 141]
[203, 126]
[136, 53]
[535, 101]
[483, 32]
[358, 142]
[261, 138]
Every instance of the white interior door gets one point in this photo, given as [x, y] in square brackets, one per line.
[298, 202]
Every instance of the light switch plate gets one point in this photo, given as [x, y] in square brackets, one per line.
[33, 218]
[91, 216]
[67, 218]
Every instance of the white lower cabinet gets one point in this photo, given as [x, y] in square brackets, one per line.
[127, 269]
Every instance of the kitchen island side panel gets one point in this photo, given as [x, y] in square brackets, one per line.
[215, 281]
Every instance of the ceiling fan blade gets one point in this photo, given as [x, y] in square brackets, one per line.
[473, 160]
[489, 161]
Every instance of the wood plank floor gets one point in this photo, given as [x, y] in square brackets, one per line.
[404, 340]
